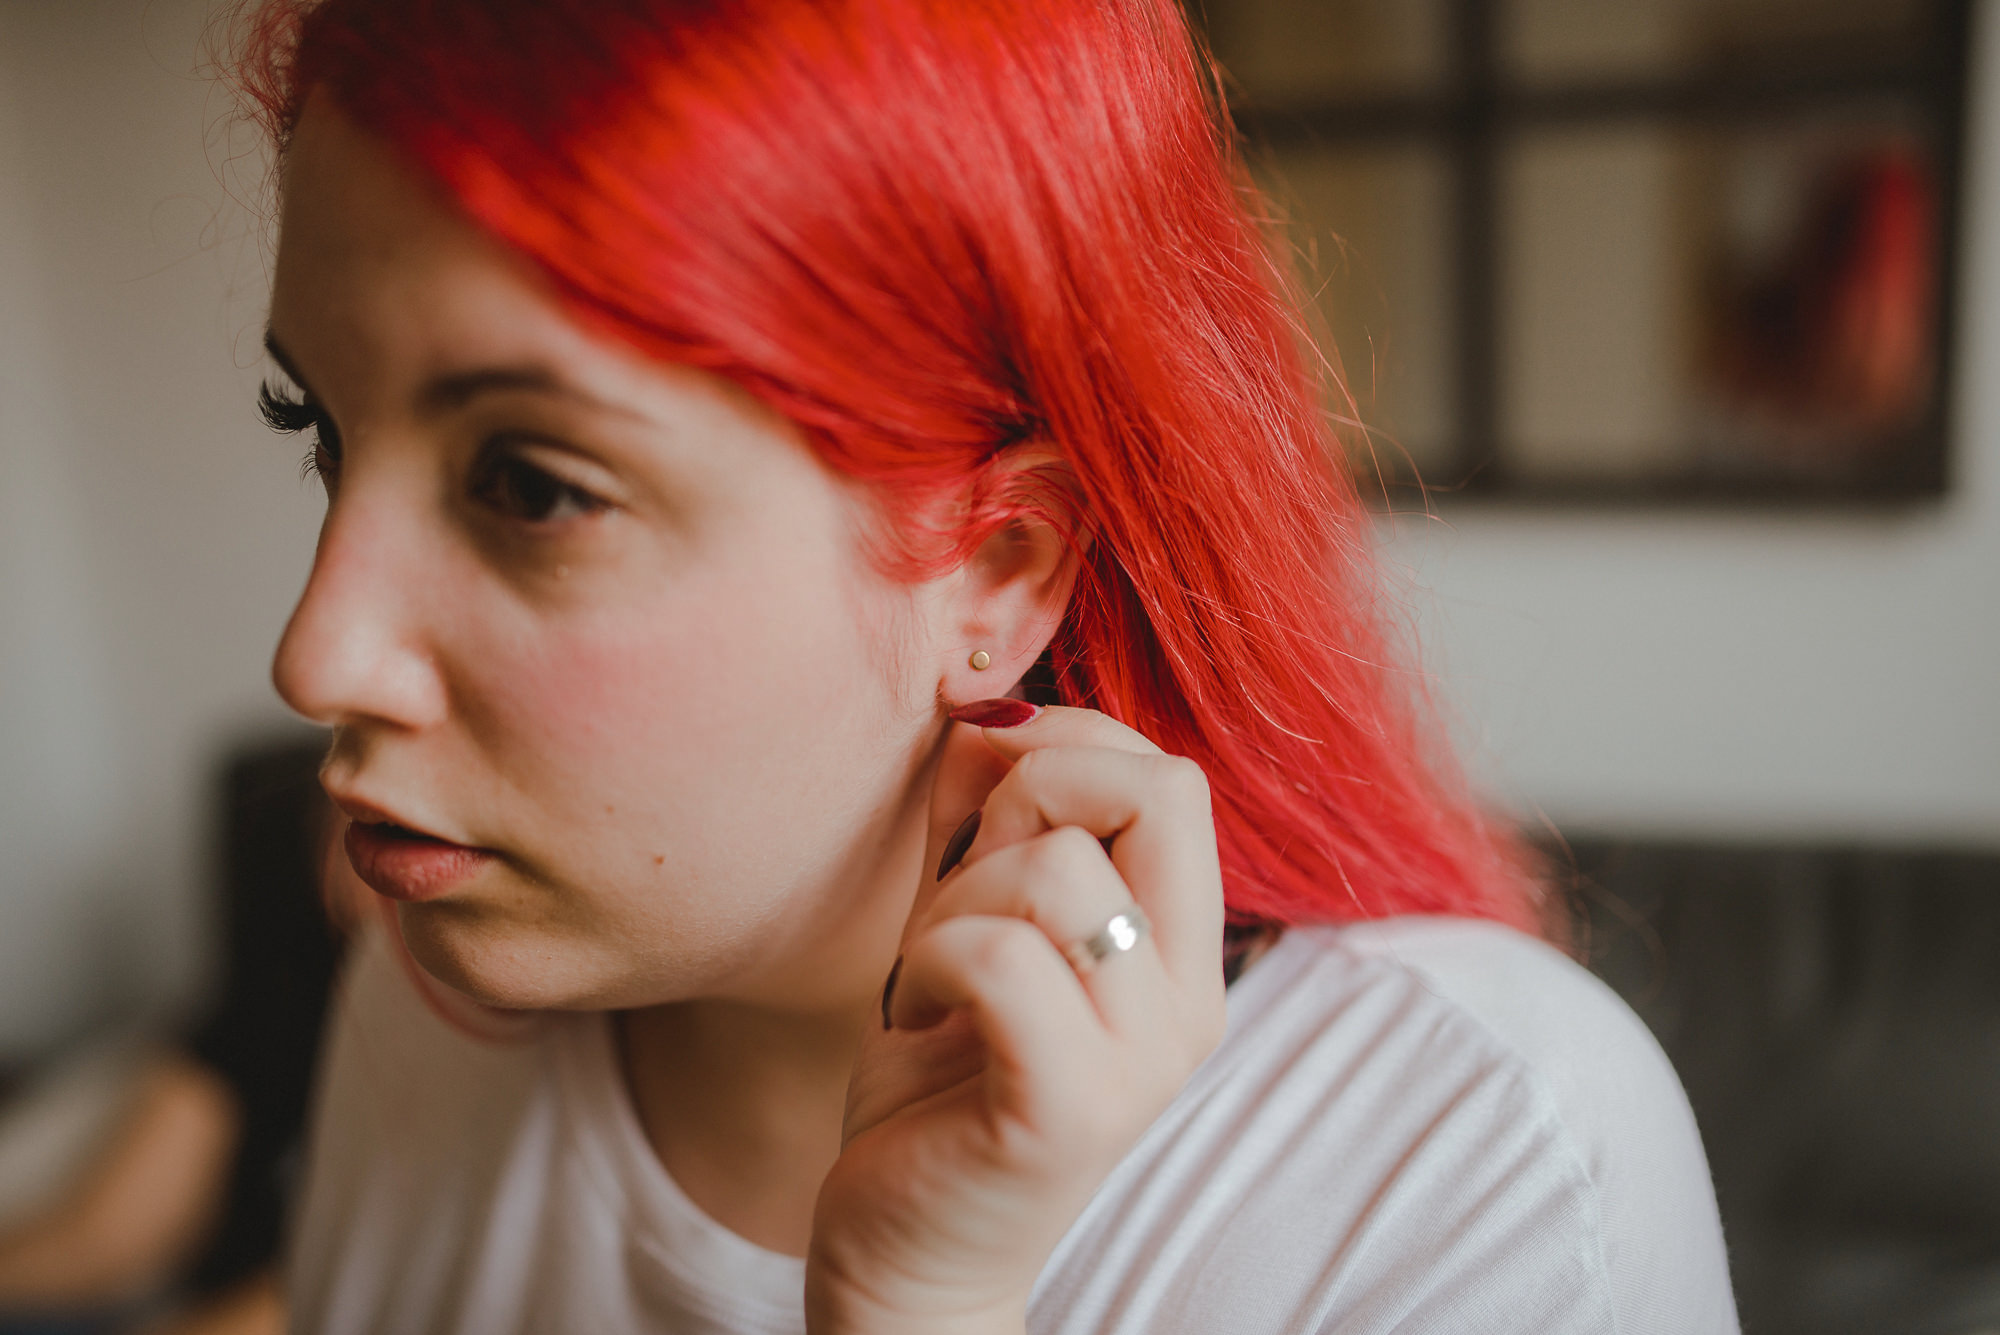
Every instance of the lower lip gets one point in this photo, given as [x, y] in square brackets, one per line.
[408, 868]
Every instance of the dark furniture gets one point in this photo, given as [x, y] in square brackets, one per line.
[1835, 1017]
[261, 1032]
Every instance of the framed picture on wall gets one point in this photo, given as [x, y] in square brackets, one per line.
[1621, 250]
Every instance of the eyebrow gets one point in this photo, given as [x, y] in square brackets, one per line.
[452, 390]
[285, 363]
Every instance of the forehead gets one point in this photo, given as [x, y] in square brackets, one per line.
[382, 285]
[384, 290]
[347, 195]
[373, 257]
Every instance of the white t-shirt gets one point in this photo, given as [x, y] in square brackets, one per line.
[1419, 1125]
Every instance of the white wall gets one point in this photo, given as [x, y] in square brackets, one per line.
[152, 534]
[1720, 673]
[1745, 674]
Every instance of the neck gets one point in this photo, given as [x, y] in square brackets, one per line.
[743, 1106]
[743, 1096]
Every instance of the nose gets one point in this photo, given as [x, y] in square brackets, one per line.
[357, 648]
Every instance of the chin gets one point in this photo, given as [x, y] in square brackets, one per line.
[496, 963]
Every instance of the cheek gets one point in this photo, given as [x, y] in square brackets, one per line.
[722, 733]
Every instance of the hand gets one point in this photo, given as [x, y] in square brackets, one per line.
[979, 1126]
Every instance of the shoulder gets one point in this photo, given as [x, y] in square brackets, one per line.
[1593, 1058]
[1412, 1125]
[1597, 1070]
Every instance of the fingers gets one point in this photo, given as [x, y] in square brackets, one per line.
[1062, 882]
[1078, 768]
[1059, 725]
[976, 757]
[1048, 1056]
[967, 771]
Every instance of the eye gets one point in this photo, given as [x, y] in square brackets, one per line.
[508, 483]
[281, 412]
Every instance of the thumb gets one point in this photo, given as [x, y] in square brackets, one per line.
[967, 772]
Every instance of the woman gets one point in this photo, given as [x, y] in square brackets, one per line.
[724, 408]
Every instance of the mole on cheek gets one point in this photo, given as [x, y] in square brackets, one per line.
[659, 859]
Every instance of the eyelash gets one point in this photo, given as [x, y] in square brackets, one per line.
[290, 416]
[503, 481]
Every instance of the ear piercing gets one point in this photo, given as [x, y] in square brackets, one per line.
[980, 660]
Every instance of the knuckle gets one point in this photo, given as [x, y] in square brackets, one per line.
[1004, 950]
[1022, 783]
[1028, 768]
[1067, 851]
[1185, 780]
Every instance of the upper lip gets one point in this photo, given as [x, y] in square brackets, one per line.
[363, 812]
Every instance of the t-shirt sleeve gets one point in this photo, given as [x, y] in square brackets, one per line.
[1619, 1102]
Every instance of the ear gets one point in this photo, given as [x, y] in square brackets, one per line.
[1006, 604]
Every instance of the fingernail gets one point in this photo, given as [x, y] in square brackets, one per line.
[889, 992]
[1001, 713]
[954, 847]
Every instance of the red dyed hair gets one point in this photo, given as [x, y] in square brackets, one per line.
[927, 231]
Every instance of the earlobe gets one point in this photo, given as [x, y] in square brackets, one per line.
[1010, 599]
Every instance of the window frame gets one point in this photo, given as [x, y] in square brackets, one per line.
[1478, 112]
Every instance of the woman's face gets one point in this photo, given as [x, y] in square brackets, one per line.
[607, 620]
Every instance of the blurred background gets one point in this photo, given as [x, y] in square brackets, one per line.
[1672, 326]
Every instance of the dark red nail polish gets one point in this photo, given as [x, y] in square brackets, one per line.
[954, 847]
[1001, 713]
[889, 992]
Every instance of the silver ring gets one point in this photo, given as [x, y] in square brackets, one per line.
[1124, 931]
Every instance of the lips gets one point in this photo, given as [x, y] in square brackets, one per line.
[405, 864]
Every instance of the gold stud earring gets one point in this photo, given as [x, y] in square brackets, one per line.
[980, 660]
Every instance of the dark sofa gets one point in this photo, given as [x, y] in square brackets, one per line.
[1835, 1016]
